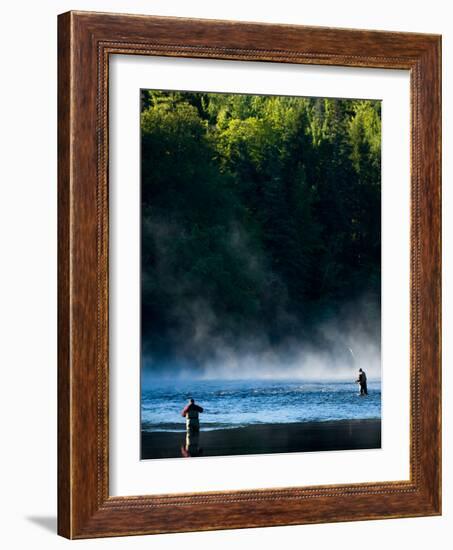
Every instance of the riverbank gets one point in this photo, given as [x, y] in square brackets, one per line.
[265, 439]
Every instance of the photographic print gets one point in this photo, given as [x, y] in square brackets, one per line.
[260, 274]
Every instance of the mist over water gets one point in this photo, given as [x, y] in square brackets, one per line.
[336, 350]
[253, 382]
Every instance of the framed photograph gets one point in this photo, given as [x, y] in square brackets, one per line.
[249, 275]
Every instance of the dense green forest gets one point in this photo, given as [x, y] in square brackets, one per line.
[261, 220]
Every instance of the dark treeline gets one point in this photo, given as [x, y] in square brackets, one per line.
[260, 220]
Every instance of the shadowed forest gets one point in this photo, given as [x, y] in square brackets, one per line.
[260, 229]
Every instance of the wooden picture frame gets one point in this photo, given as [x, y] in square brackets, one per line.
[85, 41]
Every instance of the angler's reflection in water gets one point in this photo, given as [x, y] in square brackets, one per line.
[192, 444]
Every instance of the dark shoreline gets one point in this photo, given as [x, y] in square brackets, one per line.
[339, 435]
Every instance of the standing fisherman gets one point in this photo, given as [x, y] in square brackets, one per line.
[191, 411]
[362, 381]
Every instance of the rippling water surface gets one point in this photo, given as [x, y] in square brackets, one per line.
[235, 403]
